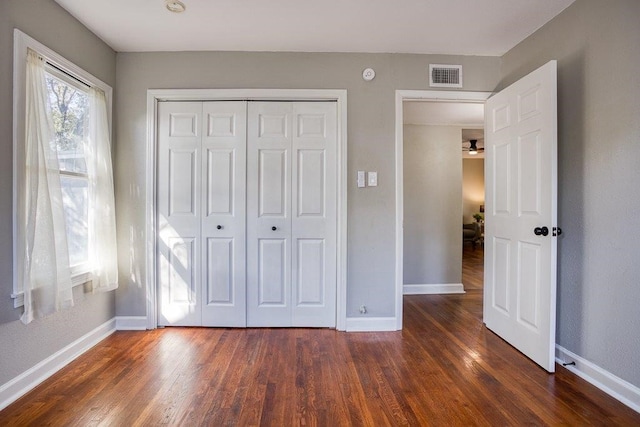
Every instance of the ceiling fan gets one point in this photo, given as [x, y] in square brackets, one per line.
[473, 148]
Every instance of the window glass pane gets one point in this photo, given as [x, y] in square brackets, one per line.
[70, 113]
[75, 201]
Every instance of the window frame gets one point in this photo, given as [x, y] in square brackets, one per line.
[21, 43]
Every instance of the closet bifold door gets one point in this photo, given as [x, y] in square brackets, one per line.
[314, 214]
[223, 210]
[201, 213]
[178, 213]
[291, 214]
[268, 214]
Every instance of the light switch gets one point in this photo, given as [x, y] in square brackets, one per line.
[373, 179]
[361, 181]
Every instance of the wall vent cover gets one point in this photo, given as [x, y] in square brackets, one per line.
[445, 75]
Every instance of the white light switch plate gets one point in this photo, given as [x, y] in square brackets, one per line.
[361, 182]
[373, 179]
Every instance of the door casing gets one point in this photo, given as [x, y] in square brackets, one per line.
[156, 95]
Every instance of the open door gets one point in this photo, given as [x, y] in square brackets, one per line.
[521, 214]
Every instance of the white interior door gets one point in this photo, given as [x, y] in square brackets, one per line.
[521, 214]
[291, 214]
[201, 213]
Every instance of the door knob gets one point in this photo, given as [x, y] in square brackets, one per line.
[219, 227]
[274, 228]
[541, 231]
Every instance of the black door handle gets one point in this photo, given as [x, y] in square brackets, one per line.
[541, 231]
[274, 228]
[219, 227]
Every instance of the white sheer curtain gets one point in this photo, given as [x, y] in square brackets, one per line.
[102, 220]
[45, 264]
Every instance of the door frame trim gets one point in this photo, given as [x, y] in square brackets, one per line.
[156, 95]
[415, 95]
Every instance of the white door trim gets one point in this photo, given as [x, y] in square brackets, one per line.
[407, 95]
[156, 95]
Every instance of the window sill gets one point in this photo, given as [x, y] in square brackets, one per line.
[79, 279]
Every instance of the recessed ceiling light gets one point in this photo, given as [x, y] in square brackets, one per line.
[175, 6]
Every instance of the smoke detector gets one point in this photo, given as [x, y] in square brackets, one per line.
[175, 6]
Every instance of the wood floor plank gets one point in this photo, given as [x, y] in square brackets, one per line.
[443, 369]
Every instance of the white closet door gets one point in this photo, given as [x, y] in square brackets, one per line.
[269, 214]
[224, 137]
[313, 214]
[291, 214]
[178, 210]
[201, 213]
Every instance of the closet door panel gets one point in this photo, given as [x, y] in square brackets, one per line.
[314, 214]
[273, 178]
[178, 211]
[223, 214]
[291, 202]
[272, 273]
[269, 214]
[311, 191]
[310, 279]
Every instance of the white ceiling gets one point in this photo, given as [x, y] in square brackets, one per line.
[469, 116]
[465, 27]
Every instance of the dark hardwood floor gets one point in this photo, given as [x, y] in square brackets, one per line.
[472, 267]
[443, 369]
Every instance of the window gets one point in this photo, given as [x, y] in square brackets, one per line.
[69, 106]
[64, 213]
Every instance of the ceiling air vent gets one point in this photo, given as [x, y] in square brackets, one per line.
[445, 75]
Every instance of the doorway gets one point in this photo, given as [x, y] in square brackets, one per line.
[473, 202]
[444, 193]
[445, 100]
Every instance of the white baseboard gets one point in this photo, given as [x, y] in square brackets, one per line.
[23, 383]
[371, 324]
[433, 289]
[131, 323]
[616, 387]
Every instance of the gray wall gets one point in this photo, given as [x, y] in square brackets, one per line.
[597, 45]
[24, 346]
[371, 124]
[432, 205]
[472, 188]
